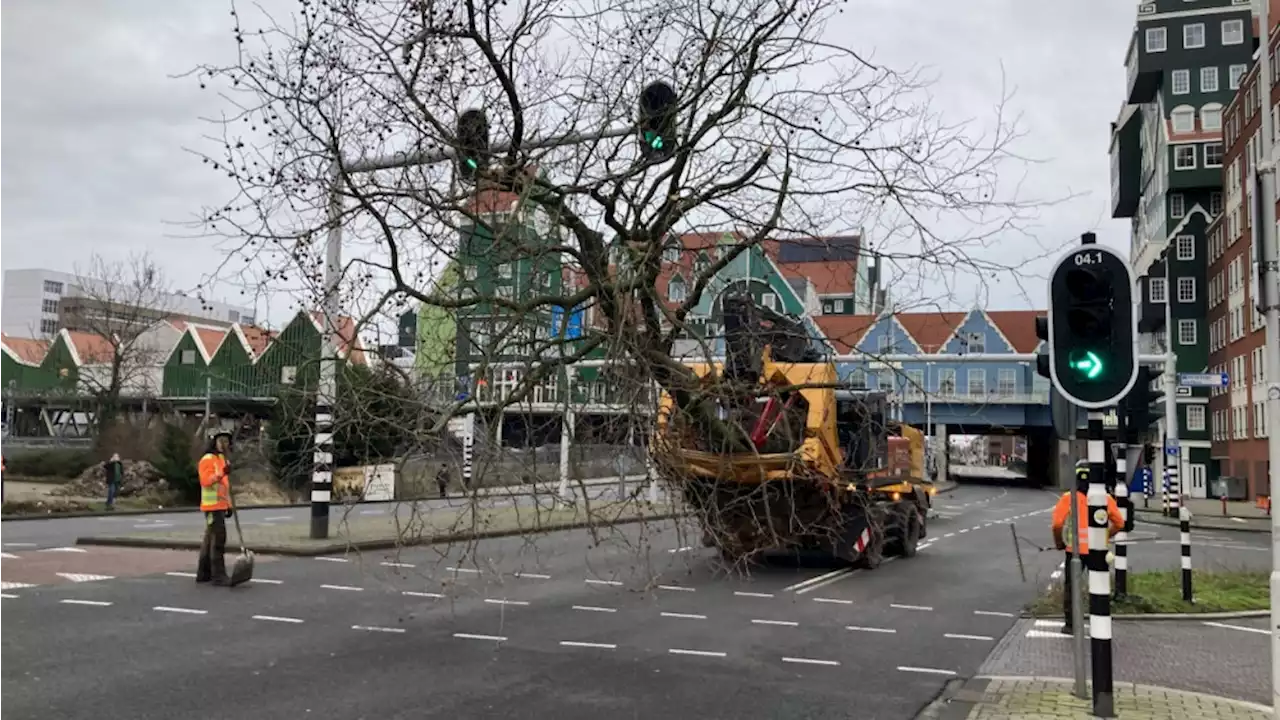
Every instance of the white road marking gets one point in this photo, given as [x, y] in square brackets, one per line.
[19, 544]
[785, 623]
[14, 585]
[94, 603]
[377, 628]
[492, 601]
[677, 588]
[686, 616]
[350, 588]
[277, 517]
[84, 577]
[332, 559]
[835, 601]
[8, 596]
[993, 613]
[593, 581]
[370, 512]
[958, 636]
[601, 646]
[1048, 623]
[818, 579]
[8, 556]
[593, 608]
[1046, 634]
[276, 618]
[700, 653]
[964, 530]
[809, 661]
[413, 593]
[859, 628]
[923, 608]
[462, 570]
[1229, 626]
[491, 638]
[154, 525]
[680, 550]
[265, 581]
[175, 573]
[931, 671]
[396, 564]
[950, 534]
[740, 593]
[65, 549]
[189, 611]
[532, 576]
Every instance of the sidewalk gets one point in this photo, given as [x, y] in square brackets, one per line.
[1023, 698]
[1207, 515]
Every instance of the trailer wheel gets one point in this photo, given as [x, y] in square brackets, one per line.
[910, 543]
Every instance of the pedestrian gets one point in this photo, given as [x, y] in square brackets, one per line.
[215, 503]
[1064, 537]
[113, 470]
[442, 479]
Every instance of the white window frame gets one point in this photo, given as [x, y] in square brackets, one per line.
[1235, 73]
[505, 271]
[1006, 382]
[1179, 157]
[884, 344]
[1209, 79]
[914, 383]
[1211, 119]
[1186, 289]
[1221, 152]
[679, 282]
[946, 376]
[1157, 291]
[975, 340]
[288, 374]
[1180, 82]
[1196, 418]
[858, 379]
[1189, 32]
[827, 308]
[671, 254]
[769, 300]
[1187, 331]
[1156, 39]
[979, 374]
[470, 272]
[1177, 205]
[188, 357]
[1186, 245]
[1183, 119]
[1233, 32]
[1216, 203]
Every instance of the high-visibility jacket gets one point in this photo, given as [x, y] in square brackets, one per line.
[215, 487]
[1062, 518]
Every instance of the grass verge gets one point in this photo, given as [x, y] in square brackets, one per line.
[1160, 591]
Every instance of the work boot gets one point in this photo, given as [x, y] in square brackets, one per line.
[1067, 630]
[221, 581]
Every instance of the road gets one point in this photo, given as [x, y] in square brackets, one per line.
[57, 532]
[642, 623]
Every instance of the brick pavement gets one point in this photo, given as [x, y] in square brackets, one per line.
[1034, 698]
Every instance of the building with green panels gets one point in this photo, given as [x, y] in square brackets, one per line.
[1184, 63]
[438, 329]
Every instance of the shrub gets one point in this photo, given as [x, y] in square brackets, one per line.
[59, 462]
[176, 462]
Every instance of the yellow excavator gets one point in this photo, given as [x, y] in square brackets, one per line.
[791, 460]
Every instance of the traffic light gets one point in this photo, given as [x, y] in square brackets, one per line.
[473, 144]
[1092, 326]
[1042, 357]
[658, 103]
[1137, 404]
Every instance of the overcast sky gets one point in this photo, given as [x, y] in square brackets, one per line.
[95, 126]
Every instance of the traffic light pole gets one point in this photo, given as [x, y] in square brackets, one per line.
[1269, 294]
[1099, 573]
[322, 459]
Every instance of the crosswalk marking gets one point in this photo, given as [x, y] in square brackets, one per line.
[84, 577]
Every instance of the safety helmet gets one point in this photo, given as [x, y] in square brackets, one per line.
[214, 433]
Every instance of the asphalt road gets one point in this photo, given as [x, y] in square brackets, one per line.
[640, 623]
[56, 532]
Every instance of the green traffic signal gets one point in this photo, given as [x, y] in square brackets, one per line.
[1087, 364]
[471, 163]
[653, 139]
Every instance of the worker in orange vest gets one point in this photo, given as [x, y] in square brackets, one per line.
[215, 503]
[1063, 535]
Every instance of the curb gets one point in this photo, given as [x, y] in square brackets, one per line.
[379, 544]
[1170, 522]
[177, 509]
[1232, 615]
[1189, 693]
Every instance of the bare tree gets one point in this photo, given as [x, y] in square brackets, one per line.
[115, 306]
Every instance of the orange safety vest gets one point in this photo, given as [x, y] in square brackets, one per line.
[215, 487]
[1062, 518]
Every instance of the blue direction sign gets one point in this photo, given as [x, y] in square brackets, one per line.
[573, 329]
[1211, 380]
[1172, 449]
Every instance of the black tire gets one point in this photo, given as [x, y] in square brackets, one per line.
[910, 543]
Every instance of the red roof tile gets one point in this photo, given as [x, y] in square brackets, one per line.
[1018, 327]
[930, 329]
[92, 349]
[845, 331]
[28, 350]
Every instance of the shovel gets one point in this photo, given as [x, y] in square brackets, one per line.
[242, 571]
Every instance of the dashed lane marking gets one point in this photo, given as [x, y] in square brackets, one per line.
[414, 593]
[834, 601]
[274, 518]
[397, 564]
[378, 628]
[94, 603]
[64, 550]
[993, 613]
[685, 616]
[699, 653]
[784, 623]
[349, 588]
[153, 525]
[493, 601]
[593, 608]
[265, 581]
[959, 636]
[277, 618]
[1229, 626]
[8, 596]
[8, 556]
[612, 583]
[472, 571]
[679, 550]
[84, 577]
[188, 611]
[860, 628]
[809, 661]
[930, 671]
[332, 559]
[600, 646]
[922, 608]
[490, 638]
[531, 576]
[677, 588]
[950, 534]
[19, 544]
[741, 593]
[175, 573]
[14, 585]
[813, 580]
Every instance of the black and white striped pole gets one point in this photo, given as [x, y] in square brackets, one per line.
[1098, 572]
[468, 450]
[1125, 506]
[1173, 456]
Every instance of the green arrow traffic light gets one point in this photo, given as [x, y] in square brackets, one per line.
[1088, 364]
[653, 139]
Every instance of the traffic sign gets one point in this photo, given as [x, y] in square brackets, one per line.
[1172, 450]
[1211, 380]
